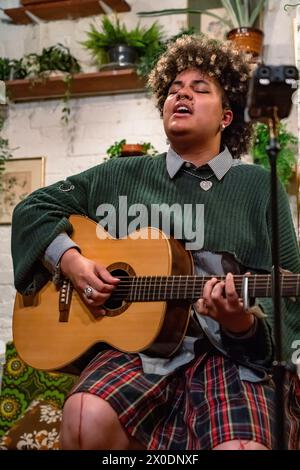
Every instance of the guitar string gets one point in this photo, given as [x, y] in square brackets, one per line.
[259, 285]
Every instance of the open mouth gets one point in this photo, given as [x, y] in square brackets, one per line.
[182, 110]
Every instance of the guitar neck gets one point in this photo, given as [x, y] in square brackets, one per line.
[159, 288]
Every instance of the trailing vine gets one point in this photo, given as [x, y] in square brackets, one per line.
[5, 151]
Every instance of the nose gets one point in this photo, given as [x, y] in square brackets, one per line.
[184, 93]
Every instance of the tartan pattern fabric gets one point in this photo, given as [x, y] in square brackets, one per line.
[198, 407]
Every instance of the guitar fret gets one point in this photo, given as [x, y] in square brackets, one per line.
[254, 286]
[172, 295]
[186, 287]
[190, 287]
[159, 289]
[136, 288]
[142, 287]
[132, 288]
[154, 287]
[194, 288]
[149, 288]
[165, 294]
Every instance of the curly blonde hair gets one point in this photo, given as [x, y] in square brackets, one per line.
[219, 61]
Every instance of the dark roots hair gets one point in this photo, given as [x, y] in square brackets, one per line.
[219, 61]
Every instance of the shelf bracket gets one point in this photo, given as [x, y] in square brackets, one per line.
[33, 17]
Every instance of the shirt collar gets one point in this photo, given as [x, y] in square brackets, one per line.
[220, 164]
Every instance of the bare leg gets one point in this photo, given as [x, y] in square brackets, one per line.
[90, 423]
[238, 444]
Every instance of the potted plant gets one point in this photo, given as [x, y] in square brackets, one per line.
[286, 160]
[241, 18]
[148, 61]
[114, 46]
[122, 149]
[56, 59]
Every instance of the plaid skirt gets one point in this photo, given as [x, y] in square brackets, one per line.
[197, 407]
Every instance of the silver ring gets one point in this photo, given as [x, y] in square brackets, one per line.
[88, 291]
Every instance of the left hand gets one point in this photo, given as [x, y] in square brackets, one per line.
[221, 302]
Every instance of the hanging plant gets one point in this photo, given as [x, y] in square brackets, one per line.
[5, 151]
[57, 58]
[38, 67]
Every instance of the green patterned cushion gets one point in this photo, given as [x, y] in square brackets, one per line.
[22, 384]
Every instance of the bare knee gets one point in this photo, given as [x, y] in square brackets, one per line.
[90, 423]
[239, 444]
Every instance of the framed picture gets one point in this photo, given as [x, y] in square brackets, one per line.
[213, 27]
[20, 177]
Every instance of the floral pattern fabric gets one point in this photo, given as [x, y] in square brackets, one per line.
[38, 429]
[21, 385]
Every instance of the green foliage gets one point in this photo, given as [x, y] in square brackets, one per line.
[286, 159]
[37, 67]
[5, 68]
[57, 57]
[145, 41]
[5, 152]
[115, 150]
[239, 12]
[148, 61]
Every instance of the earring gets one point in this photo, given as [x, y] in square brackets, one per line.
[223, 127]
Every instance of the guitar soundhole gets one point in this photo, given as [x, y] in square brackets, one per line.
[117, 303]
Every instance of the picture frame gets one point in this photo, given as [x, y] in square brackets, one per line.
[212, 27]
[21, 177]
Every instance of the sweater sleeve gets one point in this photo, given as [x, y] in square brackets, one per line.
[289, 260]
[37, 221]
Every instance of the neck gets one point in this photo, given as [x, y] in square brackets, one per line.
[197, 156]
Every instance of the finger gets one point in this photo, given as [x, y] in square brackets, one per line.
[230, 291]
[98, 312]
[217, 296]
[208, 287]
[95, 298]
[99, 285]
[201, 307]
[106, 276]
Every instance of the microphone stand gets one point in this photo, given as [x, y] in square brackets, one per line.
[279, 366]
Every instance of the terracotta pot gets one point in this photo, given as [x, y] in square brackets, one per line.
[247, 39]
[132, 150]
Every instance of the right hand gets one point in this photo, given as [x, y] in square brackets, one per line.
[84, 272]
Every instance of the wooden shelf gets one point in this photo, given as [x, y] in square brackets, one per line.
[83, 84]
[63, 9]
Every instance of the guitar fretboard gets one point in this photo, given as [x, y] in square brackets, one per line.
[156, 288]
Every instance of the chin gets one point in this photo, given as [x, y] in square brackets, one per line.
[178, 132]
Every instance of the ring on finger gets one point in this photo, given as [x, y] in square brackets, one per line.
[88, 291]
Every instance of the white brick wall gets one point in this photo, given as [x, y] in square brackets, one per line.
[34, 129]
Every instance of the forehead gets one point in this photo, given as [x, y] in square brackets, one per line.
[190, 75]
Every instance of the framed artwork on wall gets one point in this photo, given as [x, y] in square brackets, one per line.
[212, 27]
[21, 177]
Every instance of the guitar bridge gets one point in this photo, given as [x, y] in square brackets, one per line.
[65, 297]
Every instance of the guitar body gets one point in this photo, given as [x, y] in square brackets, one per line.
[46, 341]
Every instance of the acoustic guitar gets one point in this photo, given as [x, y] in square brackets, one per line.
[149, 310]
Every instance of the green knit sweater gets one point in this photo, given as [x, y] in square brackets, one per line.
[237, 218]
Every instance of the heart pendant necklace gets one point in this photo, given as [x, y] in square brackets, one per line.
[204, 183]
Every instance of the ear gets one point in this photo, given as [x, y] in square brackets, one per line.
[227, 118]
